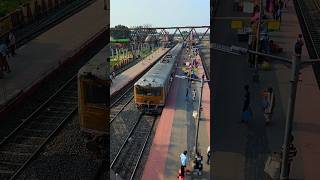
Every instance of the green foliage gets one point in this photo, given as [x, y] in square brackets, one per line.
[120, 32]
[143, 53]
[7, 6]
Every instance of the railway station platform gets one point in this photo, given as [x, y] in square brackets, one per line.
[130, 74]
[51, 50]
[176, 131]
[241, 150]
[306, 125]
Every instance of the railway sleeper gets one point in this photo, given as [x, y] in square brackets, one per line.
[32, 137]
[42, 116]
[60, 106]
[5, 172]
[14, 157]
[70, 92]
[46, 124]
[118, 108]
[37, 130]
[58, 109]
[119, 125]
[53, 116]
[20, 147]
[29, 140]
[49, 113]
[36, 133]
[141, 135]
[15, 153]
[70, 98]
[9, 163]
[65, 103]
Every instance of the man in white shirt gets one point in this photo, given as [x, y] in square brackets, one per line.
[184, 161]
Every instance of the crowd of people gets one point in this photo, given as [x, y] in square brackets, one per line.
[7, 50]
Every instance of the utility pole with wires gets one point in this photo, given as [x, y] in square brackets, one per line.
[257, 43]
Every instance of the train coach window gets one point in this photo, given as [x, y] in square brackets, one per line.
[96, 94]
[142, 91]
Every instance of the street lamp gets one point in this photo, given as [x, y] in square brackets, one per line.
[296, 65]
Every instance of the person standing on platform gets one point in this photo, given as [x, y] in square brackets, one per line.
[184, 161]
[245, 109]
[208, 155]
[198, 165]
[3, 58]
[300, 40]
[12, 43]
[187, 93]
[298, 46]
[194, 94]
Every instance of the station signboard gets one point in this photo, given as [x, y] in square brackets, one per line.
[273, 25]
[236, 24]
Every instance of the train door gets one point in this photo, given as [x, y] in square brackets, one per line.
[94, 111]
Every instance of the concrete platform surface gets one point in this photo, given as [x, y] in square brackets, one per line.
[43, 54]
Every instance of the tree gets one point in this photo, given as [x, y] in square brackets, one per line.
[120, 32]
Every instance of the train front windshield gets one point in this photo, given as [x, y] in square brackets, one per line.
[148, 91]
[96, 94]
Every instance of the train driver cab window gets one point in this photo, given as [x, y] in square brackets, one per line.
[96, 94]
[148, 91]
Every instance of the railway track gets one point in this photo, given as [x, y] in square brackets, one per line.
[128, 157]
[23, 144]
[120, 127]
[117, 107]
[308, 12]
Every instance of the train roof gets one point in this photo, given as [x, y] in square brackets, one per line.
[158, 74]
[97, 66]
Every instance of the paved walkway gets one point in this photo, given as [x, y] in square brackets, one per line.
[243, 149]
[43, 54]
[163, 161]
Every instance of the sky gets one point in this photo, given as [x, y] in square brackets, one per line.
[159, 12]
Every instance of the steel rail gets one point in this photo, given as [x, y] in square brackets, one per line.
[46, 139]
[36, 111]
[143, 148]
[35, 153]
[126, 141]
[122, 108]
